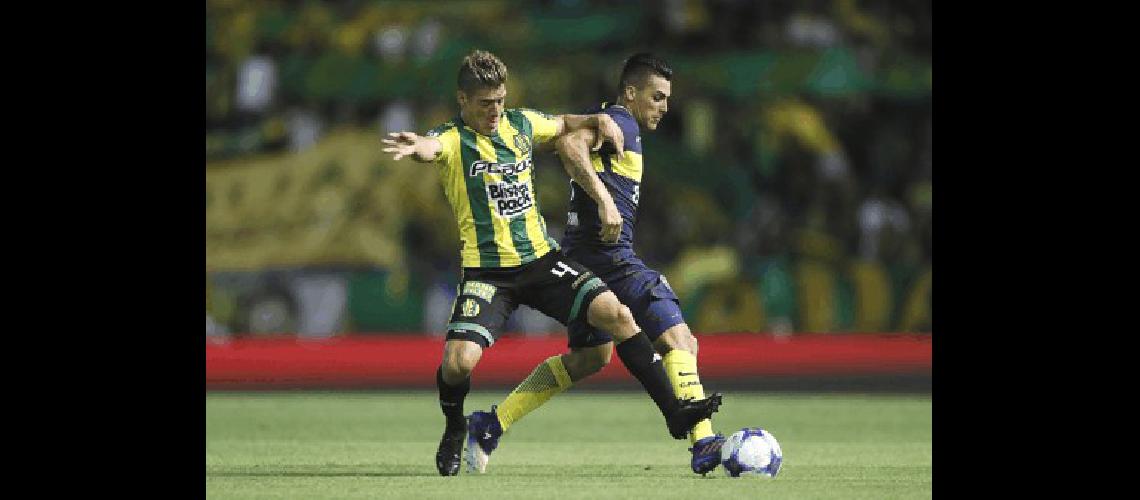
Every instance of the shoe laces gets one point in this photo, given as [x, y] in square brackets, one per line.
[715, 443]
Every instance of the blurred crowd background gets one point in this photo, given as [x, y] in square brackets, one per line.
[788, 189]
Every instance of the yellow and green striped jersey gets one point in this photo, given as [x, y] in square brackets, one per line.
[489, 181]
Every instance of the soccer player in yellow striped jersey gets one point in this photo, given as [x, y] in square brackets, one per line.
[484, 160]
[605, 182]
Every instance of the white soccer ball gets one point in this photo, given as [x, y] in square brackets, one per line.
[751, 451]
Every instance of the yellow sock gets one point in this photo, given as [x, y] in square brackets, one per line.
[681, 366]
[547, 379]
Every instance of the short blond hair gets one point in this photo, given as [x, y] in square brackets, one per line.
[481, 69]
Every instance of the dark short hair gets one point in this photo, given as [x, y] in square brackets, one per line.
[481, 69]
[639, 66]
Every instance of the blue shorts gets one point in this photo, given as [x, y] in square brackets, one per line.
[645, 291]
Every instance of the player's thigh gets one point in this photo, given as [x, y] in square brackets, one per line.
[646, 292]
[563, 289]
[481, 310]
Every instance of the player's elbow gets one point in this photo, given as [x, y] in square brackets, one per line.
[572, 143]
[565, 145]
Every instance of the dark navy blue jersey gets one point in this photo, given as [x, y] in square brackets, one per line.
[621, 177]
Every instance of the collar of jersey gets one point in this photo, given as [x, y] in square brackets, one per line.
[618, 106]
[462, 124]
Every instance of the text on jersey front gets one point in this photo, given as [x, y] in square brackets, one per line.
[510, 198]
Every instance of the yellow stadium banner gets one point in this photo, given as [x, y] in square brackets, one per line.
[340, 202]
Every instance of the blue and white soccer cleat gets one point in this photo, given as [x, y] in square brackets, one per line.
[706, 453]
[483, 432]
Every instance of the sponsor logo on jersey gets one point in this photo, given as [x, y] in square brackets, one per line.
[572, 219]
[479, 289]
[510, 198]
[490, 167]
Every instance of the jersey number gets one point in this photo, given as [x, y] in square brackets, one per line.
[561, 269]
[636, 193]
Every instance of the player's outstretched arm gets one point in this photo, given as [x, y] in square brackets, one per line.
[604, 126]
[420, 148]
[572, 148]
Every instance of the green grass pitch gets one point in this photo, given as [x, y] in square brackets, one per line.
[579, 445]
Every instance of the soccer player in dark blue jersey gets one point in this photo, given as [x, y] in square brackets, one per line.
[594, 239]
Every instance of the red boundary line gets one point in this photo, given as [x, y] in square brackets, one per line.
[411, 360]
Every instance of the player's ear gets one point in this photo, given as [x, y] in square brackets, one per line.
[461, 97]
[629, 92]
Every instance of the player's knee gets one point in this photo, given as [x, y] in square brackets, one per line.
[688, 342]
[624, 324]
[609, 314]
[460, 360]
[624, 317]
[602, 311]
[622, 321]
[678, 337]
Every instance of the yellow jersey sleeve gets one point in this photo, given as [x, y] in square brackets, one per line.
[448, 137]
[544, 127]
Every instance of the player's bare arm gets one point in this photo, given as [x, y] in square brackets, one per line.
[576, 160]
[606, 128]
[420, 148]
